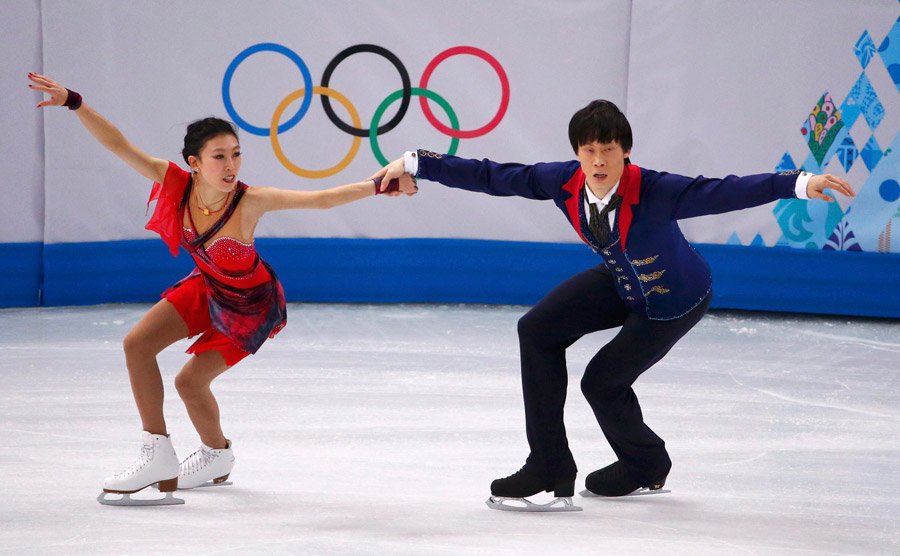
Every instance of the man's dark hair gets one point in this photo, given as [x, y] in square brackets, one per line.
[600, 121]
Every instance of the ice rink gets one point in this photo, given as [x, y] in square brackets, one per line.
[377, 429]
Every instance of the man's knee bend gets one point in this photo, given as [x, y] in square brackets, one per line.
[599, 389]
[589, 386]
[531, 326]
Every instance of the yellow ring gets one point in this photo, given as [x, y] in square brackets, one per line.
[276, 118]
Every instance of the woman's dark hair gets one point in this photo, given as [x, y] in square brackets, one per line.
[201, 131]
[600, 121]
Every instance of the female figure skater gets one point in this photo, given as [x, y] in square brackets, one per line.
[232, 299]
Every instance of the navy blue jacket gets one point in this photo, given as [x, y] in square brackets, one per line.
[656, 271]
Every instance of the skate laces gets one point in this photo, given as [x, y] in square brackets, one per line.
[197, 461]
[144, 460]
[521, 473]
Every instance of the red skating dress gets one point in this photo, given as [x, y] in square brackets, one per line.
[233, 298]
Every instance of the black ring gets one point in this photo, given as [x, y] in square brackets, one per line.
[404, 76]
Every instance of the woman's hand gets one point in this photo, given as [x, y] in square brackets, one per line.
[58, 93]
[408, 185]
[394, 170]
[107, 134]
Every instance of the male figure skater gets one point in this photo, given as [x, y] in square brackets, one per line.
[651, 283]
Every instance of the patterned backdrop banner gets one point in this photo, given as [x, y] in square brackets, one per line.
[822, 97]
[867, 223]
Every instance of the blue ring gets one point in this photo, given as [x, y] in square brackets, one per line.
[307, 85]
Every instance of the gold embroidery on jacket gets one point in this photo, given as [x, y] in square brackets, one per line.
[430, 154]
[658, 289]
[650, 277]
[642, 262]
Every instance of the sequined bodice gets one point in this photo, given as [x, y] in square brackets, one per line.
[227, 252]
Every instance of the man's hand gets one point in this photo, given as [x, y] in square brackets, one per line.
[817, 185]
[394, 170]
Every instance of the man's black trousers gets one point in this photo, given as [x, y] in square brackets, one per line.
[585, 303]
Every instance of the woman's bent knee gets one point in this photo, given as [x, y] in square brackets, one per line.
[187, 385]
[137, 345]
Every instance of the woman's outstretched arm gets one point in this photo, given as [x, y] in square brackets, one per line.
[265, 199]
[107, 134]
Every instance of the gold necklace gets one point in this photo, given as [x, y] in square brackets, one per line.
[205, 210]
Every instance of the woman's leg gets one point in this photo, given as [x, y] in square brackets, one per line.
[193, 384]
[160, 327]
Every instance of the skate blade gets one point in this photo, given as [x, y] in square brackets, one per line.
[127, 500]
[523, 505]
[643, 491]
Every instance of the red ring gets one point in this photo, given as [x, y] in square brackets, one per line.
[504, 100]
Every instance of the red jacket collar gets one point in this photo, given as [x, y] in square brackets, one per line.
[629, 189]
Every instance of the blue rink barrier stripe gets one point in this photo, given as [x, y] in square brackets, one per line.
[467, 271]
[21, 274]
[804, 281]
[110, 272]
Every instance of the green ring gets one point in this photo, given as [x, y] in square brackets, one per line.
[393, 97]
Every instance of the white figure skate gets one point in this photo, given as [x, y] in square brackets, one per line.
[206, 467]
[158, 464]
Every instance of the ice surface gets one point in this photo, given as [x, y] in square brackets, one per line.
[376, 429]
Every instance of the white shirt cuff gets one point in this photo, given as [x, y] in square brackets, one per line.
[800, 185]
[410, 163]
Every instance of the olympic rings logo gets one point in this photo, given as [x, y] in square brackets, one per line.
[355, 129]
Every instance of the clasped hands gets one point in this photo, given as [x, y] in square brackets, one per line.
[396, 170]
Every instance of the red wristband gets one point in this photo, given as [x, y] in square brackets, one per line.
[393, 185]
[73, 100]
